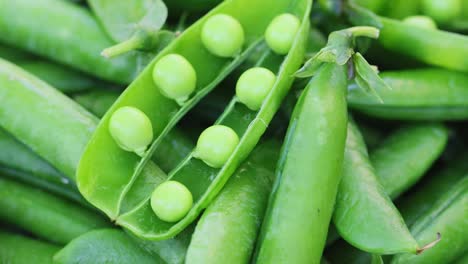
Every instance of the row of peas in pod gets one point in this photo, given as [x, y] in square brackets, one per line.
[223, 36]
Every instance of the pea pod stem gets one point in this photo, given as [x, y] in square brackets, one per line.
[123, 47]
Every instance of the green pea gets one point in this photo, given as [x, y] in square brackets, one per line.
[254, 85]
[215, 145]
[131, 129]
[281, 33]
[421, 21]
[223, 35]
[175, 77]
[171, 201]
[442, 11]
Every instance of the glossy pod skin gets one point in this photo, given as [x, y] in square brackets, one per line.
[89, 248]
[62, 128]
[120, 202]
[45, 215]
[61, 77]
[228, 228]
[418, 202]
[19, 162]
[18, 249]
[405, 156]
[104, 246]
[449, 216]
[49, 35]
[435, 47]
[364, 215]
[321, 107]
[419, 94]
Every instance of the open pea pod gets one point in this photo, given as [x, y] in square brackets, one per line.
[109, 177]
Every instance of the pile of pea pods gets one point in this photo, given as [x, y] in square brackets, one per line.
[236, 131]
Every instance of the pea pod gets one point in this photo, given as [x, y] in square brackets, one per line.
[233, 219]
[425, 44]
[449, 216]
[164, 113]
[321, 107]
[406, 155]
[29, 102]
[104, 246]
[383, 231]
[18, 161]
[434, 186]
[61, 77]
[45, 215]
[67, 33]
[420, 94]
[18, 249]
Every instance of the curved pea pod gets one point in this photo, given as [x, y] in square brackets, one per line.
[364, 215]
[19, 162]
[419, 201]
[404, 157]
[228, 228]
[449, 217]
[67, 33]
[435, 47]
[18, 249]
[419, 94]
[49, 123]
[104, 246]
[116, 171]
[296, 223]
[61, 77]
[44, 214]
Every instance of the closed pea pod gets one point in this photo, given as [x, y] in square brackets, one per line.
[442, 11]
[84, 249]
[384, 229]
[45, 36]
[45, 215]
[406, 155]
[418, 94]
[449, 216]
[425, 44]
[19, 249]
[287, 219]
[233, 219]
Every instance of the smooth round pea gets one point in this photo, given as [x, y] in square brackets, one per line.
[223, 35]
[281, 33]
[171, 201]
[215, 145]
[254, 85]
[175, 77]
[131, 129]
[421, 21]
[442, 11]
